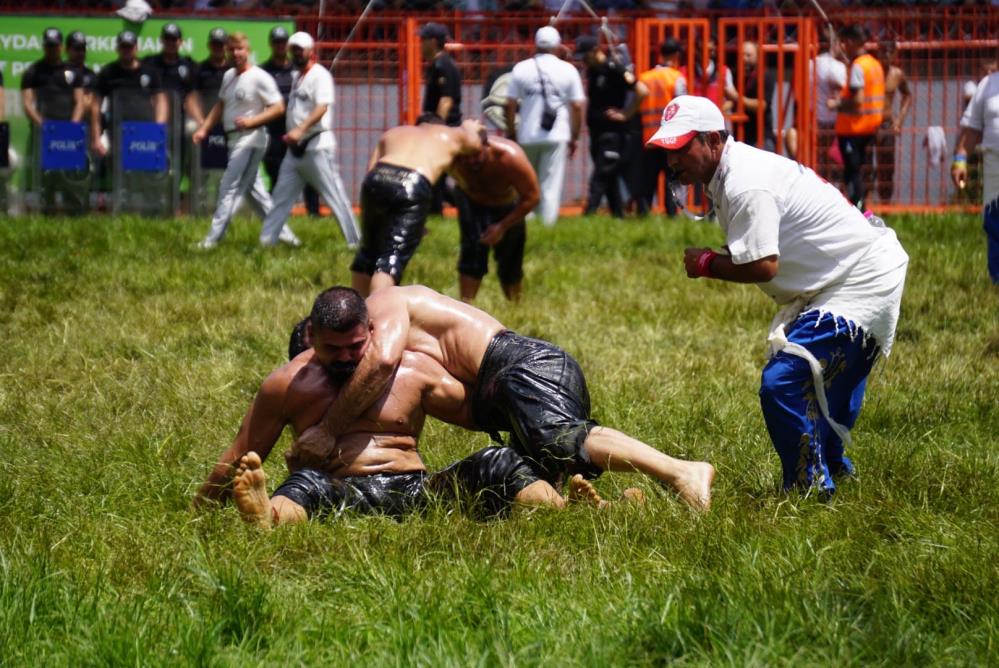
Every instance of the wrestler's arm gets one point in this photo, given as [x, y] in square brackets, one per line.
[389, 331]
[258, 433]
[525, 182]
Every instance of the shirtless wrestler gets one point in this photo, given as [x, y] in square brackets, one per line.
[375, 465]
[527, 387]
[497, 187]
[396, 194]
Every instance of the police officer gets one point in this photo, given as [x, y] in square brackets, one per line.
[441, 93]
[176, 71]
[607, 118]
[50, 89]
[280, 67]
[139, 86]
[208, 77]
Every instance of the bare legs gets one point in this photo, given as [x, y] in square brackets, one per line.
[250, 494]
[612, 450]
[468, 288]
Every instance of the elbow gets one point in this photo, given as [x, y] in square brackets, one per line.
[766, 270]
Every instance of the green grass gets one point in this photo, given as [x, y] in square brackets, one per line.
[128, 360]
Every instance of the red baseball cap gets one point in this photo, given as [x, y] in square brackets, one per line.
[683, 118]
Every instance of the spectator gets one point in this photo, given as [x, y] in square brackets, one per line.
[664, 82]
[280, 67]
[607, 119]
[860, 106]
[756, 106]
[980, 125]
[134, 91]
[208, 78]
[176, 72]
[829, 77]
[550, 96]
[891, 123]
[713, 82]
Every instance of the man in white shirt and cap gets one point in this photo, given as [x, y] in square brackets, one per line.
[549, 94]
[311, 147]
[836, 275]
[249, 99]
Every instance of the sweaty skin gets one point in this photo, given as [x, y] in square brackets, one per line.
[498, 175]
[427, 149]
[381, 440]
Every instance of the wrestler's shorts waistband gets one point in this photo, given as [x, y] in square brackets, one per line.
[403, 175]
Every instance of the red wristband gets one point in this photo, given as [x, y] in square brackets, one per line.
[704, 263]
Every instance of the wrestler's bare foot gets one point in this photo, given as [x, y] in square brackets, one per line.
[694, 486]
[581, 490]
[249, 490]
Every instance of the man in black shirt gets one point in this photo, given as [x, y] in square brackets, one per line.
[50, 90]
[176, 71]
[134, 90]
[208, 77]
[76, 51]
[753, 102]
[442, 94]
[608, 117]
[280, 67]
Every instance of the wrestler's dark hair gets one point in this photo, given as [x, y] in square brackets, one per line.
[298, 343]
[429, 118]
[339, 309]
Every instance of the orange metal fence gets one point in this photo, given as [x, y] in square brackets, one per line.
[379, 77]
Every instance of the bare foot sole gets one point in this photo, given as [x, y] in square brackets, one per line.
[581, 491]
[695, 487]
[249, 490]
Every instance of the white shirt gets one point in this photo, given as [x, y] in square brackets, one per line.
[982, 112]
[828, 252]
[563, 85]
[246, 94]
[830, 77]
[308, 92]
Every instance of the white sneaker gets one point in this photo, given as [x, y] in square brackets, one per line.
[289, 239]
[207, 244]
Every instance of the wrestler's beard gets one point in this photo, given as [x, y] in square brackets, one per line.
[340, 372]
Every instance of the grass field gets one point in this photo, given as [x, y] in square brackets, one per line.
[128, 361]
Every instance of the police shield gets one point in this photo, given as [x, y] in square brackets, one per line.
[61, 167]
[210, 159]
[145, 146]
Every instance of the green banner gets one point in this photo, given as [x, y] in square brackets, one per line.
[21, 45]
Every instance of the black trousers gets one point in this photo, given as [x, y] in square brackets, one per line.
[608, 150]
[855, 158]
[652, 163]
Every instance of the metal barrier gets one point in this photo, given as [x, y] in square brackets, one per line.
[380, 74]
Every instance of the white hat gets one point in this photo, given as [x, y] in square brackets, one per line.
[547, 38]
[683, 118]
[135, 11]
[301, 39]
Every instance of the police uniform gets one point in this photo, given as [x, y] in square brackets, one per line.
[177, 76]
[131, 89]
[608, 85]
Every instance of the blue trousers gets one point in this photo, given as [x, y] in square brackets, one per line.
[810, 451]
[991, 216]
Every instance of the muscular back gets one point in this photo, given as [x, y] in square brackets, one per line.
[427, 149]
[418, 319]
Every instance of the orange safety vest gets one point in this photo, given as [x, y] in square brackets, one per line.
[661, 82]
[867, 119]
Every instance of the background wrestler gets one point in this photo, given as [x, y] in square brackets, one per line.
[396, 193]
[499, 187]
[530, 388]
[376, 458]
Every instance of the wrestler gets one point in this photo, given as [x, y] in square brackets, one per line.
[396, 193]
[524, 386]
[375, 465]
[497, 188]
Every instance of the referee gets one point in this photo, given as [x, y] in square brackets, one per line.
[311, 148]
[248, 100]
